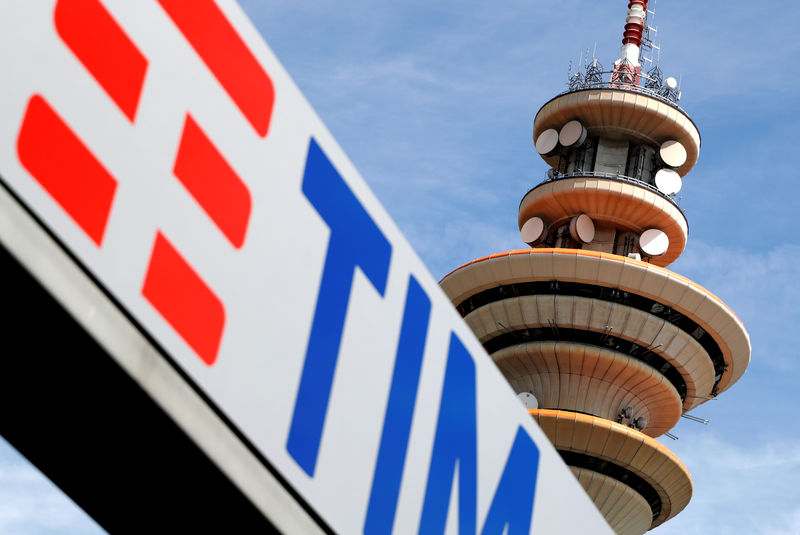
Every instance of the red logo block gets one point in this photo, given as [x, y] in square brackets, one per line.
[66, 168]
[76, 179]
[184, 300]
[225, 54]
[105, 50]
[213, 183]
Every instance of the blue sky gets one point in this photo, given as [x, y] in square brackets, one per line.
[434, 103]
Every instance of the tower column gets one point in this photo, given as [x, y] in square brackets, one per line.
[587, 320]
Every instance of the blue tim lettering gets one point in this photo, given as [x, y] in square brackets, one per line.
[399, 412]
[355, 241]
[455, 445]
[512, 504]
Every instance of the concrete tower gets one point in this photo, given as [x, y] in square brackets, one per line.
[607, 347]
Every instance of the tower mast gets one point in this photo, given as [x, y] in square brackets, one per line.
[606, 346]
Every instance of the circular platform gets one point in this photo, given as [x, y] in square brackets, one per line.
[671, 305]
[624, 456]
[617, 113]
[623, 508]
[631, 333]
[623, 205]
[591, 380]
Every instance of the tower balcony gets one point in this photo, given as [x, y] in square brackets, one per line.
[614, 350]
[617, 154]
[628, 113]
[636, 482]
[621, 209]
[653, 322]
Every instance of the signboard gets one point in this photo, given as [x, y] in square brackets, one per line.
[167, 151]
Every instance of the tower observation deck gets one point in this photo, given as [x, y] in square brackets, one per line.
[606, 346]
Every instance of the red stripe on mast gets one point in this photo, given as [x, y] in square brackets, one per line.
[634, 30]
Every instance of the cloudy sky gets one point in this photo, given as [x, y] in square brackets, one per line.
[434, 102]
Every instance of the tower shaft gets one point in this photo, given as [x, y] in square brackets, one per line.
[588, 321]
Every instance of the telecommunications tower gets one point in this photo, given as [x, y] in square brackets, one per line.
[606, 347]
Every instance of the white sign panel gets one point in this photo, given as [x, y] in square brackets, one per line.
[166, 148]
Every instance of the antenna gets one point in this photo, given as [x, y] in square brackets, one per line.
[695, 419]
[627, 69]
[639, 423]
[638, 65]
[648, 39]
[528, 400]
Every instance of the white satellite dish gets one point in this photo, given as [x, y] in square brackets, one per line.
[547, 141]
[528, 400]
[581, 228]
[671, 83]
[653, 242]
[673, 153]
[668, 181]
[533, 230]
[572, 134]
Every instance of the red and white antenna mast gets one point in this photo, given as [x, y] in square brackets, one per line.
[634, 29]
[627, 68]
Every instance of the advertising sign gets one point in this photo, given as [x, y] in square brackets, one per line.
[168, 152]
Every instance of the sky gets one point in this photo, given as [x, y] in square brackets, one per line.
[434, 102]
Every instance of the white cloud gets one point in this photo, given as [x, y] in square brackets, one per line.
[31, 505]
[444, 246]
[739, 489]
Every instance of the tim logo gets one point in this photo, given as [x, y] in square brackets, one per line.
[84, 188]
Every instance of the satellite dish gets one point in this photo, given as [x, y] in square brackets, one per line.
[533, 231]
[581, 228]
[547, 142]
[572, 134]
[671, 83]
[668, 181]
[672, 153]
[653, 242]
[528, 400]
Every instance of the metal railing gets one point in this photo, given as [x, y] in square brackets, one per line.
[608, 176]
[626, 87]
[652, 84]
